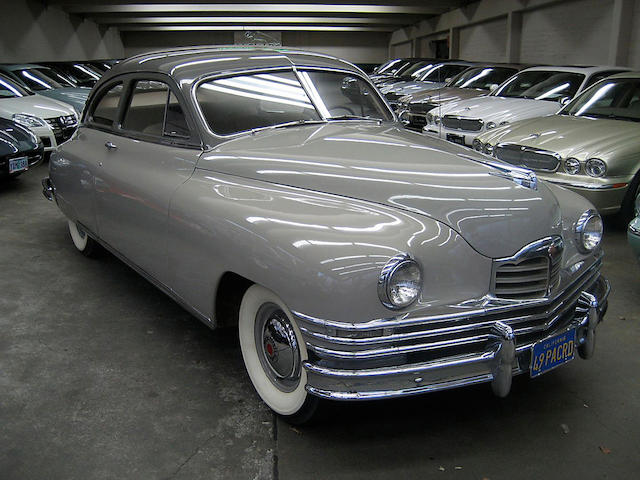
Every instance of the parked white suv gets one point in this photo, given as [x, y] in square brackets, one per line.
[533, 92]
[52, 121]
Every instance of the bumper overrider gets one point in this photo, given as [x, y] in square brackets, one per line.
[474, 342]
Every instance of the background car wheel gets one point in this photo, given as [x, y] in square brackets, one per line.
[626, 212]
[273, 352]
[82, 241]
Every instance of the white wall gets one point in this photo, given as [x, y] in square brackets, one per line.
[484, 42]
[401, 50]
[569, 33]
[359, 47]
[31, 31]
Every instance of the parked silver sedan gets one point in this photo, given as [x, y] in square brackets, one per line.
[275, 192]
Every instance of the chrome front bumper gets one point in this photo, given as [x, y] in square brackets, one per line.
[408, 356]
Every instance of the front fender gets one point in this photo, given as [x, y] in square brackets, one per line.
[322, 254]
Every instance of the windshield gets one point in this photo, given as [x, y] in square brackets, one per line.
[392, 66]
[617, 99]
[9, 89]
[245, 102]
[541, 85]
[482, 78]
[42, 79]
[416, 69]
[440, 73]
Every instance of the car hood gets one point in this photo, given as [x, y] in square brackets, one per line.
[570, 136]
[409, 87]
[499, 109]
[447, 94]
[36, 105]
[14, 139]
[388, 165]
[76, 97]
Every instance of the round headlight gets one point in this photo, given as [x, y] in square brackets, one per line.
[400, 282]
[436, 119]
[491, 125]
[572, 166]
[588, 231]
[595, 167]
[477, 145]
[488, 149]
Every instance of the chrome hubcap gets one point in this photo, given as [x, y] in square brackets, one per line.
[277, 347]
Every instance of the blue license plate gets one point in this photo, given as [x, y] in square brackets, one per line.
[552, 352]
[18, 164]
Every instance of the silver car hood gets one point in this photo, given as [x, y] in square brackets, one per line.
[448, 94]
[500, 109]
[388, 165]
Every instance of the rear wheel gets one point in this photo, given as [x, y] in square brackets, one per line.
[273, 351]
[82, 241]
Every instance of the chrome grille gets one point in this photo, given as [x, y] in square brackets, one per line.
[63, 127]
[531, 273]
[527, 157]
[528, 279]
[462, 123]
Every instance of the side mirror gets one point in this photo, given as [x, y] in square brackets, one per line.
[493, 87]
[564, 100]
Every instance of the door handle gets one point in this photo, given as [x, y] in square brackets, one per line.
[111, 146]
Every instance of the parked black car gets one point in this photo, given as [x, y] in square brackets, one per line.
[19, 149]
[81, 73]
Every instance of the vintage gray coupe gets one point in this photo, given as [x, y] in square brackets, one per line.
[275, 192]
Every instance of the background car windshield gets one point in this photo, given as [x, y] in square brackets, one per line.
[40, 79]
[542, 85]
[9, 89]
[482, 78]
[615, 99]
[440, 73]
[391, 65]
[416, 69]
[244, 102]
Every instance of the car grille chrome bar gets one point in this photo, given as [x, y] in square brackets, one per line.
[63, 127]
[533, 158]
[462, 123]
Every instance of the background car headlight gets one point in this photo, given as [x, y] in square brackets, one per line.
[491, 125]
[572, 166]
[400, 282]
[595, 167]
[488, 149]
[436, 119]
[588, 231]
[28, 121]
[477, 145]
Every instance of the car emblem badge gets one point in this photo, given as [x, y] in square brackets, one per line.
[535, 135]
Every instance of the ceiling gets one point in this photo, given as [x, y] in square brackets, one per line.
[339, 15]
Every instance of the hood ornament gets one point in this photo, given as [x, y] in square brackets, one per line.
[522, 176]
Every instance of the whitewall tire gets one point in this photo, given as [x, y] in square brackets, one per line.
[273, 351]
[81, 240]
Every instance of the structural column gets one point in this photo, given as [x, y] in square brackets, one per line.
[514, 36]
[620, 32]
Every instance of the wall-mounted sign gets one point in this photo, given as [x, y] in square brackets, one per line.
[256, 37]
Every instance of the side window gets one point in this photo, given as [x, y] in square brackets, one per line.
[145, 113]
[175, 124]
[154, 110]
[106, 109]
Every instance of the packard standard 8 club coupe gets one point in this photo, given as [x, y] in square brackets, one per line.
[275, 191]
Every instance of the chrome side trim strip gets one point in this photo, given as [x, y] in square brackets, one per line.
[586, 186]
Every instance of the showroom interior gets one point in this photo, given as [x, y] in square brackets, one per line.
[332, 260]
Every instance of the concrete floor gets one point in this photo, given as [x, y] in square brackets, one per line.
[102, 376]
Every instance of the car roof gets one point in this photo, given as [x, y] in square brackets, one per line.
[625, 75]
[20, 66]
[193, 62]
[586, 70]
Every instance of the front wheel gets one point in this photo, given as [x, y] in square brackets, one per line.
[273, 351]
[82, 241]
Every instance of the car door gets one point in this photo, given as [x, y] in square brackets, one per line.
[78, 161]
[151, 154]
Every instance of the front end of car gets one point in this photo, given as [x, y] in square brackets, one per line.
[541, 308]
[633, 232]
[52, 130]
[20, 149]
[603, 178]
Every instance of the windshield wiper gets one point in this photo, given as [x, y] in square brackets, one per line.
[355, 117]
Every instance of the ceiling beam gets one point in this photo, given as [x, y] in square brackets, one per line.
[245, 20]
[306, 28]
[359, 9]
